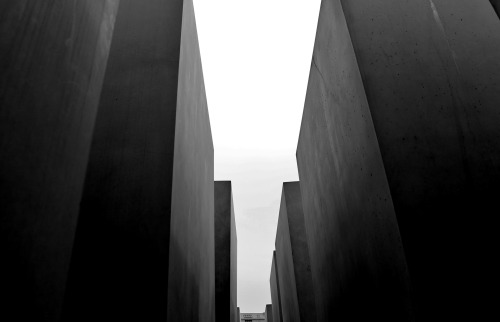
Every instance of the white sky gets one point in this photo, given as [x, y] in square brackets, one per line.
[256, 56]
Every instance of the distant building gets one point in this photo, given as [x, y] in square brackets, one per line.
[253, 317]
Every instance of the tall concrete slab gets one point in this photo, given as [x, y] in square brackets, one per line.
[401, 117]
[357, 261]
[53, 55]
[275, 291]
[145, 235]
[269, 313]
[225, 254]
[292, 255]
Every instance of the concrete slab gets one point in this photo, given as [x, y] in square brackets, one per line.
[275, 291]
[225, 254]
[53, 55]
[292, 255]
[269, 313]
[423, 76]
[145, 236]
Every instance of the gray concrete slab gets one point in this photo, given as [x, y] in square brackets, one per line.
[275, 291]
[53, 55]
[430, 79]
[269, 313]
[145, 236]
[191, 281]
[292, 255]
[225, 254]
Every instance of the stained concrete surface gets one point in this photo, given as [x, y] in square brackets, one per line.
[269, 313]
[53, 55]
[144, 227]
[292, 255]
[430, 73]
[225, 254]
[275, 291]
[357, 260]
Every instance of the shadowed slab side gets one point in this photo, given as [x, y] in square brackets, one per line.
[275, 291]
[225, 254]
[430, 74]
[53, 56]
[292, 254]
[146, 221]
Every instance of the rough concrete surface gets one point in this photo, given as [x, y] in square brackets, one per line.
[430, 72]
[53, 55]
[147, 209]
[275, 291]
[225, 254]
[292, 255]
[357, 260]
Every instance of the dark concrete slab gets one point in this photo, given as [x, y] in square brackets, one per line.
[430, 74]
[357, 260]
[496, 6]
[269, 313]
[145, 236]
[292, 255]
[225, 254]
[275, 291]
[53, 55]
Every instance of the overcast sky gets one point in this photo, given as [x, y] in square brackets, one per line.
[256, 56]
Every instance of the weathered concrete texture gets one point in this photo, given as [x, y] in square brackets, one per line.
[496, 6]
[145, 235]
[275, 291]
[357, 260]
[53, 55]
[225, 254]
[292, 255]
[269, 313]
[431, 73]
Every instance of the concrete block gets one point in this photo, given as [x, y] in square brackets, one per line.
[292, 255]
[145, 238]
[269, 313]
[401, 118]
[53, 56]
[225, 254]
[275, 291]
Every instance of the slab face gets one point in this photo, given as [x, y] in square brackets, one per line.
[292, 254]
[275, 291]
[269, 313]
[121, 255]
[53, 55]
[431, 74]
[225, 253]
[191, 275]
[357, 261]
